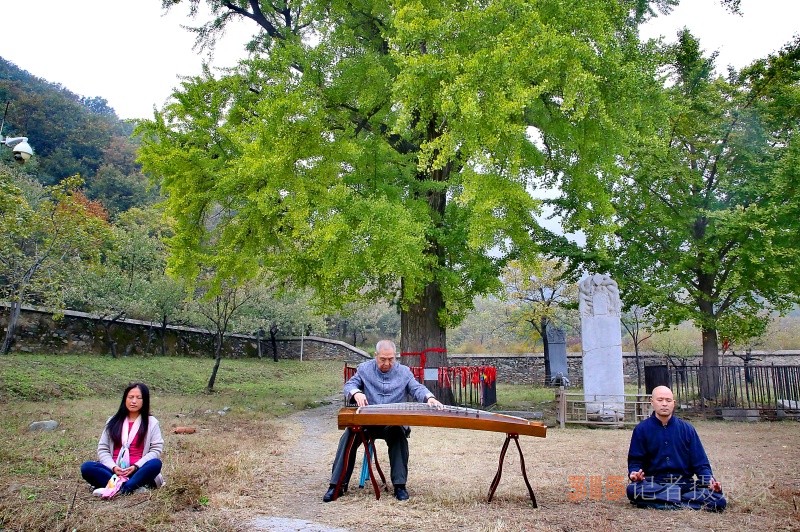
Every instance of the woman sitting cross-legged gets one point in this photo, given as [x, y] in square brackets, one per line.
[129, 450]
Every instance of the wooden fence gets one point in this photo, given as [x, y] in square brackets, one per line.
[625, 410]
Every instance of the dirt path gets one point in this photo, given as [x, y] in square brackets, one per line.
[308, 461]
[311, 458]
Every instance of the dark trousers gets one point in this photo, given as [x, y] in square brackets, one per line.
[669, 494]
[98, 475]
[397, 441]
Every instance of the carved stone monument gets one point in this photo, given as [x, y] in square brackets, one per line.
[601, 336]
[557, 351]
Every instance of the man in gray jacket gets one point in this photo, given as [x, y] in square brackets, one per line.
[377, 382]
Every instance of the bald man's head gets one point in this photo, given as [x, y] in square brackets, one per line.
[663, 403]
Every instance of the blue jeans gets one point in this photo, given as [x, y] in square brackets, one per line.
[98, 475]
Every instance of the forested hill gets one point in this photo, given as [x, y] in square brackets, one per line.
[72, 134]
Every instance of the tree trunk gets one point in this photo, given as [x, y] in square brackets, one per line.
[110, 343]
[150, 334]
[546, 351]
[13, 317]
[420, 330]
[273, 338]
[709, 373]
[638, 367]
[217, 360]
[16, 306]
[164, 336]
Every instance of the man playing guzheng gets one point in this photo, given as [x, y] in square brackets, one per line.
[377, 382]
[664, 458]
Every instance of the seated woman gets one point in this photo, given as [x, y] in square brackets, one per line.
[130, 447]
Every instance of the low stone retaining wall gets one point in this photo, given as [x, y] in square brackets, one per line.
[78, 332]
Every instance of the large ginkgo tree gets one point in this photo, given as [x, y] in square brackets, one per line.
[390, 148]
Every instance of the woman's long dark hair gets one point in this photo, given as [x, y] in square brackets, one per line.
[114, 425]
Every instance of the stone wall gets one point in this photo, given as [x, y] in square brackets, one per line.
[78, 332]
[529, 368]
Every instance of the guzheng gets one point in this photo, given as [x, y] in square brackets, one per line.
[424, 415]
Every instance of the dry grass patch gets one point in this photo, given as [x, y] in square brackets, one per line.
[450, 473]
[238, 467]
[250, 463]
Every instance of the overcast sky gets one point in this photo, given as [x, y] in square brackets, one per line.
[132, 55]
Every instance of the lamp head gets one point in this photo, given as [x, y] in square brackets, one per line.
[19, 145]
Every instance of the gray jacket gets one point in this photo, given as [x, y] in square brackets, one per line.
[153, 445]
[383, 388]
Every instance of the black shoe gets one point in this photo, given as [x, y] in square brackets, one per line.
[328, 497]
[400, 494]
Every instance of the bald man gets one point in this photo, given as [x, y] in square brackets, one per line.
[667, 464]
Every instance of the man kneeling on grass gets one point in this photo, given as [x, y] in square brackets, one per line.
[664, 458]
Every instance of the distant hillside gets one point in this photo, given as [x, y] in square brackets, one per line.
[72, 134]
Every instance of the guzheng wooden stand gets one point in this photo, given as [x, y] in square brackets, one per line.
[356, 419]
[497, 475]
[367, 441]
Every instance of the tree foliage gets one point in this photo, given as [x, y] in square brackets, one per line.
[708, 211]
[130, 280]
[487, 329]
[369, 149]
[285, 311]
[217, 301]
[365, 324]
[45, 233]
[541, 294]
[72, 135]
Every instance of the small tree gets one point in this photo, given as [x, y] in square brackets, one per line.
[130, 281]
[486, 328]
[217, 303]
[541, 294]
[358, 322]
[142, 252]
[640, 328]
[277, 310]
[164, 301]
[106, 291]
[44, 234]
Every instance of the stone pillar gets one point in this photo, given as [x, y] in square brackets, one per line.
[557, 342]
[601, 337]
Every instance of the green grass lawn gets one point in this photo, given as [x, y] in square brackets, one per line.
[275, 388]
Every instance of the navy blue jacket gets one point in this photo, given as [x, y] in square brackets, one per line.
[668, 451]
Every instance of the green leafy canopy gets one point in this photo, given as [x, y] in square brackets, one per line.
[369, 148]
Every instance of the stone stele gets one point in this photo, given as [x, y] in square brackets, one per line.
[601, 336]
